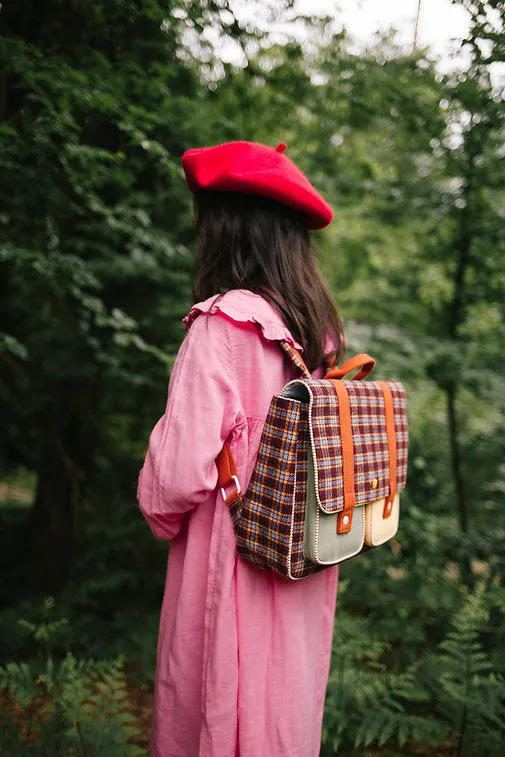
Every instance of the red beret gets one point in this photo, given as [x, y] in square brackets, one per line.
[256, 169]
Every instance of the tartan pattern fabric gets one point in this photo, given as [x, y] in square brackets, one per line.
[371, 462]
[269, 519]
[263, 529]
[402, 432]
[300, 566]
[295, 358]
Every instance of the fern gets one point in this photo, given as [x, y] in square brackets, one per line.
[17, 679]
[366, 704]
[86, 710]
[356, 678]
[93, 701]
[468, 691]
[390, 718]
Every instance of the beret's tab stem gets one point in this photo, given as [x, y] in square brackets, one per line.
[281, 147]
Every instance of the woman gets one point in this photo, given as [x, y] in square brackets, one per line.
[243, 654]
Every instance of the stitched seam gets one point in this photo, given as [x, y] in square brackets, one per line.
[215, 308]
[229, 349]
[240, 420]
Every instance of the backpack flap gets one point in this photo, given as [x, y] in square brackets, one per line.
[357, 464]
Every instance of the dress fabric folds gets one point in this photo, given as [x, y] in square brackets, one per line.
[243, 654]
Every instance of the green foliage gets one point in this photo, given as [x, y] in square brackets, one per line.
[86, 708]
[68, 704]
[367, 702]
[453, 692]
[469, 692]
[97, 102]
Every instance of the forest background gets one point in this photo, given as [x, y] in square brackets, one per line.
[98, 100]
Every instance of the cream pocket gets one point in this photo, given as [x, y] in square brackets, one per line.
[379, 527]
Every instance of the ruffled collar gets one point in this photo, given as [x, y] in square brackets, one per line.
[243, 306]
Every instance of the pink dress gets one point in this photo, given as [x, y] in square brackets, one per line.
[243, 654]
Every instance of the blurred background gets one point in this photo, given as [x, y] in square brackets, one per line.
[403, 132]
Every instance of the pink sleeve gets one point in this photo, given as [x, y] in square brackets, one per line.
[203, 408]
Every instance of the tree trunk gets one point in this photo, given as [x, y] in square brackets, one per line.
[63, 473]
[459, 487]
[456, 318]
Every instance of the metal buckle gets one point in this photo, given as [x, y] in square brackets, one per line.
[237, 487]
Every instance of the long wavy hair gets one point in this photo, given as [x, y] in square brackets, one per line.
[250, 242]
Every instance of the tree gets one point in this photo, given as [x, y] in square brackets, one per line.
[97, 106]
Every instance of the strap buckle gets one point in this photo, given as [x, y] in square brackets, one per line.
[234, 494]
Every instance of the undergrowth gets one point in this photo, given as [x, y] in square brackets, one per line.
[64, 707]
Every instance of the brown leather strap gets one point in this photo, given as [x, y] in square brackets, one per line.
[227, 474]
[344, 519]
[391, 434]
[363, 361]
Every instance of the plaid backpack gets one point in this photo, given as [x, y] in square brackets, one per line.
[331, 463]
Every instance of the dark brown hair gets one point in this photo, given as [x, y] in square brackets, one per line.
[250, 242]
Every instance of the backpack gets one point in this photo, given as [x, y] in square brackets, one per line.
[331, 464]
